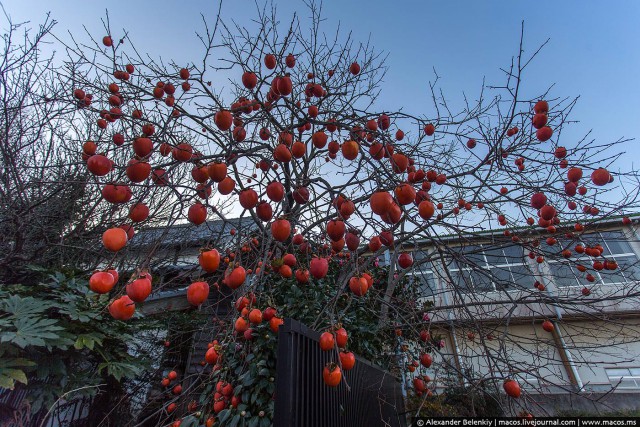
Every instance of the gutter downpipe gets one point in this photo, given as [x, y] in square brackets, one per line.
[399, 355]
[570, 361]
[454, 340]
[566, 354]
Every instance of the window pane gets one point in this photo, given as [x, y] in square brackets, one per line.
[455, 280]
[421, 264]
[462, 281]
[616, 242]
[495, 255]
[481, 281]
[420, 255]
[522, 276]
[430, 282]
[427, 284]
[614, 276]
[627, 383]
[617, 372]
[548, 250]
[629, 267]
[635, 372]
[514, 254]
[562, 274]
[502, 278]
[425, 266]
[449, 263]
[441, 275]
[474, 256]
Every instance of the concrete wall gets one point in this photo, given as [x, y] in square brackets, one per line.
[598, 345]
[533, 357]
[587, 403]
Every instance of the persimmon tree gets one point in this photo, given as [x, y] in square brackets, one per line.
[282, 124]
[57, 339]
[47, 215]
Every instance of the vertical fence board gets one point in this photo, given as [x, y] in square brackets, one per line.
[303, 400]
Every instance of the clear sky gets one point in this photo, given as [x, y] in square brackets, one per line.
[593, 50]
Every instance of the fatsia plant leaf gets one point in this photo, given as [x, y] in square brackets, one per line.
[120, 369]
[32, 332]
[9, 377]
[19, 307]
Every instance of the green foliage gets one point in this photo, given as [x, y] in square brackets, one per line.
[190, 421]
[250, 366]
[56, 337]
[251, 369]
[314, 302]
[12, 369]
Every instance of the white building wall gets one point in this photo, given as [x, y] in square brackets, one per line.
[524, 350]
[596, 346]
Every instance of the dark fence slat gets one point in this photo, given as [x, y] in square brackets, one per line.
[302, 398]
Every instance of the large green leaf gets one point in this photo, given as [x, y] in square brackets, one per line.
[18, 307]
[223, 415]
[234, 421]
[189, 421]
[15, 362]
[121, 369]
[88, 341]
[9, 372]
[32, 332]
[79, 314]
[9, 377]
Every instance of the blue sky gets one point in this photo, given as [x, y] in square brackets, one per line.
[593, 50]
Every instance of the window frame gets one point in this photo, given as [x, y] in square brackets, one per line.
[505, 264]
[616, 380]
[586, 260]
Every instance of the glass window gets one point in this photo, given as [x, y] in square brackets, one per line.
[615, 242]
[495, 255]
[508, 268]
[487, 267]
[522, 276]
[624, 377]
[463, 280]
[629, 267]
[563, 274]
[419, 255]
[615, 372]
[626, 382]
[502, 277]
[450, 264]
[473, 255]
[546, 249]
[514, 254]
[615, 276]
[482, 280]
[427, 282]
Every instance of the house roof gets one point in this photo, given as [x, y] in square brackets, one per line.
[188, 234]
[493, 234]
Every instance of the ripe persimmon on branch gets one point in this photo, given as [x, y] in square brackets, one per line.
[284, 130]
[297, 139]
[41, 191]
